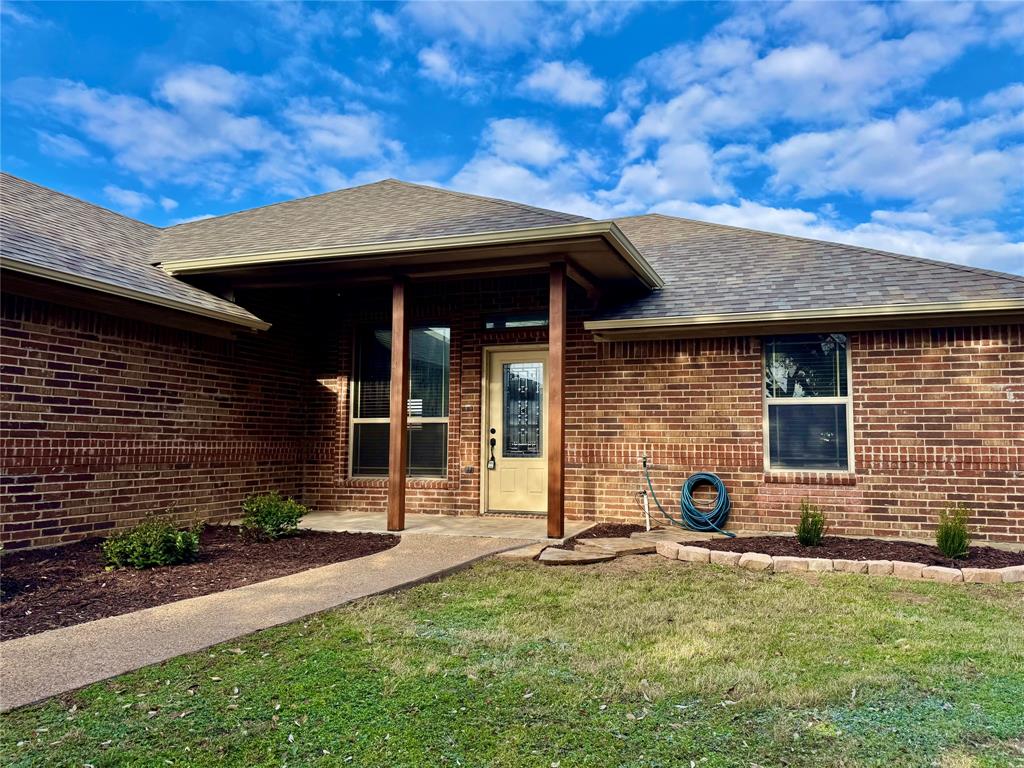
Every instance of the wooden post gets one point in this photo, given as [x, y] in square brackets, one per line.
[398, 447]
[556, 400]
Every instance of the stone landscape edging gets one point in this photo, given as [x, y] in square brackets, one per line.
[756, 561]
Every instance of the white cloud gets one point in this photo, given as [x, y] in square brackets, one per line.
[387, 26]
[127, 200]
[347, 135]
[830, 68]
[567, 83]
[561, 188]
[1010, 97]
[486, 24]
[898, 233]
[203, 87]
[200, 129]
[189, 219]
[17, 13]
[148, 138]
[502, 28]
[528, 162]
[439, 64]
[168, 204]
[61, 146]
[679, 170]
[917, 156]
[519, 140]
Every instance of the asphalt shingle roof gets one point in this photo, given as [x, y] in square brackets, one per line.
[384, 211]
[43, 228]
[707, 268]
[713, 269]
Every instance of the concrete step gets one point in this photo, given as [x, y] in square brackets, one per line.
[617, 545]
[552, 556]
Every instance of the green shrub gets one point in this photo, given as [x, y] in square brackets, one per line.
[269, 516]
[812, 526]
[951, 536]
[152, 543]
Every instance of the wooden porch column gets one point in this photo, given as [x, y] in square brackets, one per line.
[398, 446]
[556, 400]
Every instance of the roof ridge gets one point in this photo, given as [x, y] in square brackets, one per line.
[275, 204]
[502, 201]
[83, 201]
[388, 180]
[902, 256]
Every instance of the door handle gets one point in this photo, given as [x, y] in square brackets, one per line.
[491, 463]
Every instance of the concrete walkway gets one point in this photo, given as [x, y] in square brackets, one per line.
[532, 528]
[49, 663]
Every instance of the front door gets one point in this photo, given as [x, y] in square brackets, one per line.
[514, 440]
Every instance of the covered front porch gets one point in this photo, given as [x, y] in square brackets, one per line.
[439, 370]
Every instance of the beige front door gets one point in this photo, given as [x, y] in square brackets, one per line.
[515, 465]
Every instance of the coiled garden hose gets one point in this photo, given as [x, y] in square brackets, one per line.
[692, 517]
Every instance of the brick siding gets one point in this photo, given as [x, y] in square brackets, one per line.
[105, 420]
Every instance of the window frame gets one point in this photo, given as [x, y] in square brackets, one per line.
[846, 400]
[353, 420]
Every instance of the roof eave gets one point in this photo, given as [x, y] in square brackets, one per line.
[747, 322]
[607, 230]
[248, 320]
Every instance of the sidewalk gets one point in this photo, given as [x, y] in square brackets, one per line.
[49, 663]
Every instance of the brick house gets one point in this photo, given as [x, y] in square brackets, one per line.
[186, 367]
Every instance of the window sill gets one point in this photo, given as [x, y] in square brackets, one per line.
[810, 477]
[410, 482]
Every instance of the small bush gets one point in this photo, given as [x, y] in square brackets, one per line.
[812, 525]
[951, 537]
[270, 516]
[152, 543]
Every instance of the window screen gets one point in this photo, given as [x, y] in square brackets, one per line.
[807, 400]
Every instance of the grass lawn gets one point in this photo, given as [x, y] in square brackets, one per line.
[639, 662]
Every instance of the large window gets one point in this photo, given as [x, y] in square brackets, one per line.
[428, 402]
[807, 402]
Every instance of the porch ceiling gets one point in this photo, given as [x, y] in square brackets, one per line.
[598, 252]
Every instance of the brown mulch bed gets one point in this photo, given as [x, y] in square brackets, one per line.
[601, 531]
[60, 586]
[839, 547]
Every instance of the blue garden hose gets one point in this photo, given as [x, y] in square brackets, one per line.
[692, 517]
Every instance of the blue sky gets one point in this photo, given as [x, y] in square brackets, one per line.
[893, 126]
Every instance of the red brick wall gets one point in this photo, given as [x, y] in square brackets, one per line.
[106, 420]
[938, 418]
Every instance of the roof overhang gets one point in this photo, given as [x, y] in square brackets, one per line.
[17, 267]
[599, 248]
[807, 320]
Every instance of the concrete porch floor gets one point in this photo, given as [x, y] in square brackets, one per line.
[531, 528]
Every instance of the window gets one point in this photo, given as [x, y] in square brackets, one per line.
[428, 402]
[807, 402]
[510, 322]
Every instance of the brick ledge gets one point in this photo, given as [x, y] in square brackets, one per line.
[811, 478]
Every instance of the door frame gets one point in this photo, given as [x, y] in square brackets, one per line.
[485, 365]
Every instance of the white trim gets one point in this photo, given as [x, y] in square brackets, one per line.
[742, 318]
[787, 401]
[608, 230]
[353, 393]
[252, 322]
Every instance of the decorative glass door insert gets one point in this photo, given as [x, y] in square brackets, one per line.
[523, 391]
